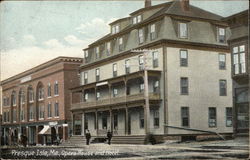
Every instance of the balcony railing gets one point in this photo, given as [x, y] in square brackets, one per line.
[114, 100]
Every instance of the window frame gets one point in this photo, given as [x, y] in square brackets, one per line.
[140, 36]
[182, 86]
[56, 88]
[155, 55]
[213, 117]
[223, 93]
[127, 66]
[114, 68]
[183, 61]
[219, 36]
[222, 67]
[152, 33]
[229, 117]
[97, 74]
[185, 117]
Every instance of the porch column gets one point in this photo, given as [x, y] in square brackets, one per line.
[96, 122]
[27, 132]
[126, 120]
[83, 123]
[37, 135]
[72, 124]
[65, 132]
[111, 119]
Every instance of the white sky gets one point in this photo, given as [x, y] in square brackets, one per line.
[33, 32]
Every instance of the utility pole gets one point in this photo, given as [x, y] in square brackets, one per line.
[146, 109]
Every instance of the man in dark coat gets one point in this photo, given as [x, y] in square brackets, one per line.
[109, 136]
[87, 136]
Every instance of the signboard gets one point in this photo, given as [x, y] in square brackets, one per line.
[25, 79]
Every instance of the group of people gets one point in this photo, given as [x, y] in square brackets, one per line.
[88, 136]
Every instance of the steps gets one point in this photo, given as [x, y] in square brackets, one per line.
[131, 139]
[74, 141]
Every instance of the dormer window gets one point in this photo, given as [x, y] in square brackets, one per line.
[121, 44]
[108, 47]
[137, 19]
[221, 32]
[97, 52]
[183, 30]
[115, 29]
[86, 54]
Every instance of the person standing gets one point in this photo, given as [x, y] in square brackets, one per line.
[109, 135]
[87, 136]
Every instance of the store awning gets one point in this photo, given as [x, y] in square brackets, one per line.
[46, 130]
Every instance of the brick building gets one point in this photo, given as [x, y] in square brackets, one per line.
[36, 102]
[181, 82]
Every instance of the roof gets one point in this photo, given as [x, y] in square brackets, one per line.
[43, 65]
[243, 13]
[119, 20]
[172, 8]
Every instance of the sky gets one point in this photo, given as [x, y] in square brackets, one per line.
[33, 32]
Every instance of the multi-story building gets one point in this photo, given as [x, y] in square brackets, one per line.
[180, 51]
[240, 70]
[36, 102]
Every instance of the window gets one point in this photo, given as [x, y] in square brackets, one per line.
[22, 114]
[222, 61]
[221, 35]
[141, 87]
[86, 96]
[155, 59]
[127, 67]
[156, 86]
[223, 87]
[98, 95]
[183, 58]
[56, 91]
[22, 97]
[14, 115]
[49, 110]
[49, 90]
[184, 85]
[121, 46]
[41, 112]
[97, 52]
[239, 59]
[115, 29]
[5, 101]
[97, 74]
[212, 117]
[156, 118]
[115, 121]
[31, 95]
[229, 117]
[108, 45]
[185, 116]
[137, 19]
[31, 113]
[56, 109]
[115, 92]
[85, 77]
[114, 70]
[40, 93]
[152, 32]
[13, 98]
[141, 62]
[141, 116]
[183, 30]
[141, 37]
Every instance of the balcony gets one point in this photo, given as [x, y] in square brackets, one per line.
[115, 101]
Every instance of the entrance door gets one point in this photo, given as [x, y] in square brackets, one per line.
[242, 117]
[77, 128]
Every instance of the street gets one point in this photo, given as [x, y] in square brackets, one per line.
[229, 149]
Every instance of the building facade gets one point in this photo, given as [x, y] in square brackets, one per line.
[36, 102]
[240, 70]
[182, 55]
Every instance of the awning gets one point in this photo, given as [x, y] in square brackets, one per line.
[46, 130]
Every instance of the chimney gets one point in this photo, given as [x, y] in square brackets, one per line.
[185, 5]
[147, 3]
